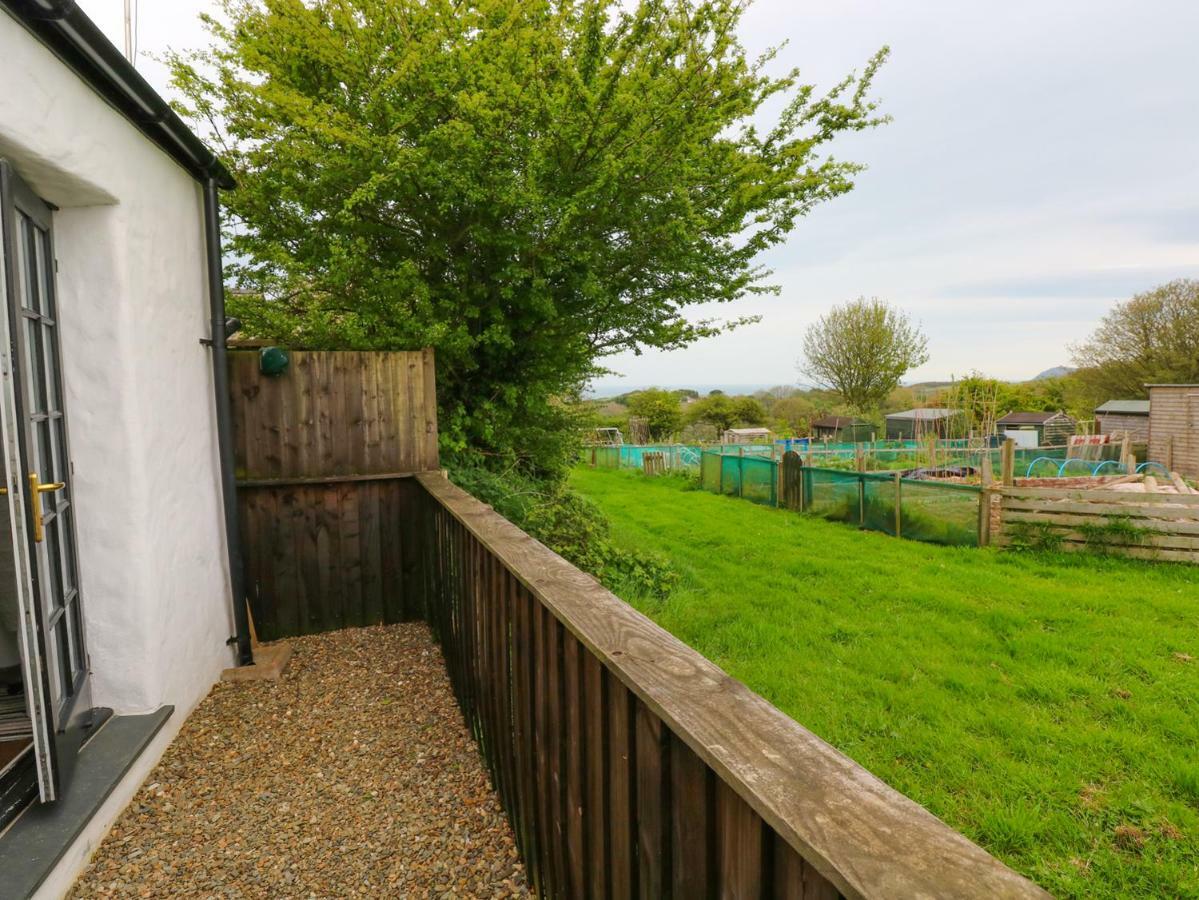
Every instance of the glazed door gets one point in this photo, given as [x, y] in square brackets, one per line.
[39, 490]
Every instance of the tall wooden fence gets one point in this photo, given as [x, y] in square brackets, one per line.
[631, 766]
[325, 454]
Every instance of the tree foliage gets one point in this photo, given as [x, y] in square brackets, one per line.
[660, 409]
[726, 412]
[861, 350]
[1154, 337]
[528, 186]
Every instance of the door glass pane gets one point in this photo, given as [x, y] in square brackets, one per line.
[52, 468]
[70, 582]
[24, 250]
[43, 458]
[53, 663]
[53, 402]
[75, 623]
[52, 570]
[45, 268]
[64, 655]
[37, 366]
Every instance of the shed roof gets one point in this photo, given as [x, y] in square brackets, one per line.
[747, 431]
[1029, 418]
[1125, 407]
[925, 413]
[837, 422]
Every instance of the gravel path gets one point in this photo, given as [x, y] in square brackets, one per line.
[354, 776]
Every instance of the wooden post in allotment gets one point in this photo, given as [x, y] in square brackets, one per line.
[791, 468]
[859, 457]
[898, 505]
[1126, 458]
[1007, 462]
[1170, 453]
[984, 516]
[932, 450]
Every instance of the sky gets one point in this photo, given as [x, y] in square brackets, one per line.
[1041, 165]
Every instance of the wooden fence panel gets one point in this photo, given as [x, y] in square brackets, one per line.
[1125, 523]
[326, 507]
[322, 557]
[334, 413]
[643, 770]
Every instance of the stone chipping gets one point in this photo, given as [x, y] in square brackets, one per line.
[353, 776]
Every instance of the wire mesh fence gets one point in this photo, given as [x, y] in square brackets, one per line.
[932, 512]
[929, 511]
[632, 456]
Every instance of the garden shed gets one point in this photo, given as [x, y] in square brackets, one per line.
[1174, 427]
[1048, 429]
[912, 424]
[842, 428]
[747, 436]
[1122, 417]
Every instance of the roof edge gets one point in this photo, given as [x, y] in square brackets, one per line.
[64, 29]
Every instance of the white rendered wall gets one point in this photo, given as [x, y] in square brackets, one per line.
[133, 304]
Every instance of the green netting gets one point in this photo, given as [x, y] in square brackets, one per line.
[750, 477]
[878, 503]
[632, 456]
[929, 511]
[758, 479]
[833, 494]
[606, 457]
[730, 475]
[709, 471]
[940, 513]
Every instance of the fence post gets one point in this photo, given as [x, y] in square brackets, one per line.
[984, 516]
[1008, 462]
[861, 500]
[859, 457]
[1170, 453]
[898, 505]
[1126, 459]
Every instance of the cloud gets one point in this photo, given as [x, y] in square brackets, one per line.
[1096, 284]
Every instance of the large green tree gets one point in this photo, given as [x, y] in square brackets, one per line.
[662, 411]
[528, 186]
[861, 349]
[1153, 337]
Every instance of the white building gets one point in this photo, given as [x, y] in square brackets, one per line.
[115, 588]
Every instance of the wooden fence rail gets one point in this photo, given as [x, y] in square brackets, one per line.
[630, 766]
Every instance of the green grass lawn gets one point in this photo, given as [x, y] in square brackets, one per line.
[1048, 707]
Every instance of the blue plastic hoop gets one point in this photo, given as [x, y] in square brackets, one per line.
[1143, 466]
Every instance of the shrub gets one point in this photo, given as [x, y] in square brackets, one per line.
[570, 525]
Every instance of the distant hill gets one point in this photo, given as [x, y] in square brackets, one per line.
[1055, 372]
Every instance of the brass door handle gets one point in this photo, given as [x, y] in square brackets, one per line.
[36, 490]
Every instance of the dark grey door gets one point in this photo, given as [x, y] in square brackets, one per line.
[39, 487]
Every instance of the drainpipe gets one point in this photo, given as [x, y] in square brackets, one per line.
[224, 421]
